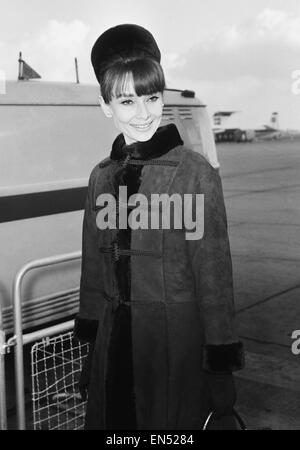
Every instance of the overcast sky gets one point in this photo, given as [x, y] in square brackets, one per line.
[235, 54]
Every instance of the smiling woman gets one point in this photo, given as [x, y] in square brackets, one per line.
[156, 306]
[132, 93]
[136, 116]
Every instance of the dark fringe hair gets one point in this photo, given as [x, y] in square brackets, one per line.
[147, 74]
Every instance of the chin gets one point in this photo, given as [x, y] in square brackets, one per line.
[145, 136]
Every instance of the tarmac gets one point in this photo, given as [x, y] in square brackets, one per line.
[262, 196]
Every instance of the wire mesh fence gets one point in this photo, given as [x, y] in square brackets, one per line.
[56, 365]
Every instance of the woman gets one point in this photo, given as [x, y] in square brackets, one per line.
[156, 307]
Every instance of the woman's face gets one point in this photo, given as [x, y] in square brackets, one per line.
[137, 117]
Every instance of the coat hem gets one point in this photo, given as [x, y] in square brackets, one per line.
[85, 330]
[223, 358]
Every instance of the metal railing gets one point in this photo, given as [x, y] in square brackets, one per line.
[18, 340]
[3, 415]
[56, 365]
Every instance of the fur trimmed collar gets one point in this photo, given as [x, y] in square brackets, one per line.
[165, 138]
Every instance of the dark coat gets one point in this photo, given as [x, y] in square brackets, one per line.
[160, 307]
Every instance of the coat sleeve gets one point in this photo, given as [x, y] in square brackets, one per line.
[212, 268]
[86, 322]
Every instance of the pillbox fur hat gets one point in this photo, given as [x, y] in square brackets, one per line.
[126, 41]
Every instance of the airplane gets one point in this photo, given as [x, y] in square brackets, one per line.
[273, 131]
[227, 127]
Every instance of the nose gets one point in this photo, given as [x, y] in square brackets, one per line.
[142, 110]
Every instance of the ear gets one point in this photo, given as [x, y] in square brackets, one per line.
[105, 107]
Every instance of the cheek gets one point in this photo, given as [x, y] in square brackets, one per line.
[157, 109]
[124, 117]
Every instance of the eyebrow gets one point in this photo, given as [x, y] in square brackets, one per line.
[125, 95]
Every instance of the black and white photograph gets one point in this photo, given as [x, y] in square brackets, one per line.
[149, 217]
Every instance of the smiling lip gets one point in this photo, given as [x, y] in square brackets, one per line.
[142, 127]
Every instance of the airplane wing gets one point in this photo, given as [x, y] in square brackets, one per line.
[218, 130]
[267, 127]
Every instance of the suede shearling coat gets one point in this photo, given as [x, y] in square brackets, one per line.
[158, 307]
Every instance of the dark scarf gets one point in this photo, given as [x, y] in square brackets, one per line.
[164, 140]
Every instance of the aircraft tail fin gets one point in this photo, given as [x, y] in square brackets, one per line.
[25, 71]
[274, 121]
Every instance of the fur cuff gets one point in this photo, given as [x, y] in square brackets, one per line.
[223, 358]
[85, 330]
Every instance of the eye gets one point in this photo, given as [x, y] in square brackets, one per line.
[127, 102]
[153, 98]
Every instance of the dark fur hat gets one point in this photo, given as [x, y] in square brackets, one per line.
[123, 41]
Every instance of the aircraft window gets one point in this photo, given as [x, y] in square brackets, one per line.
[185, 113]
[168, 114]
